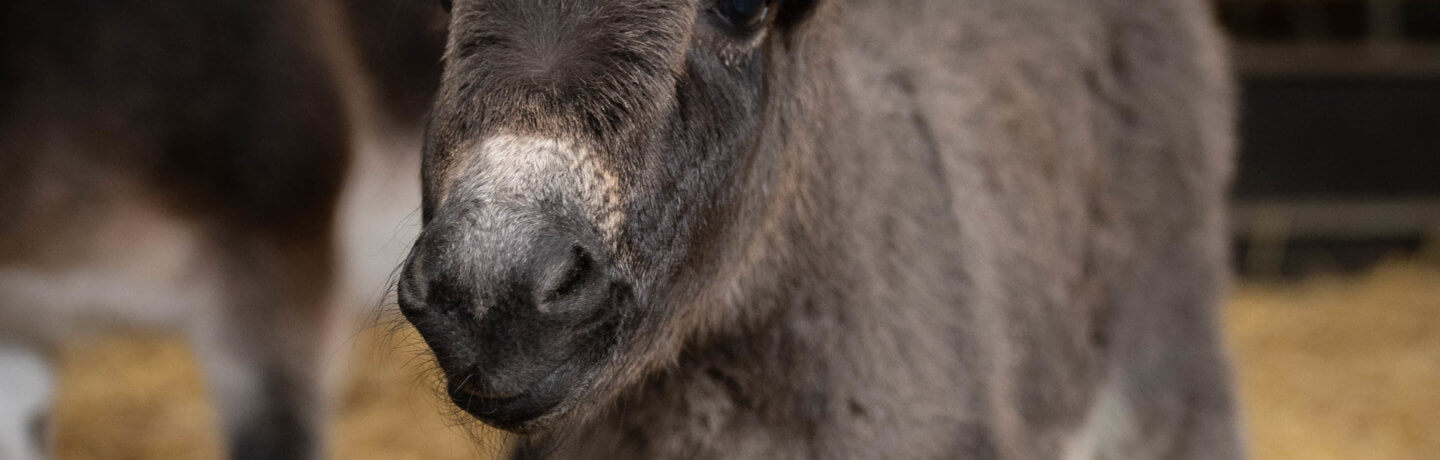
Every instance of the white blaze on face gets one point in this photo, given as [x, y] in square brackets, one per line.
[522, 170]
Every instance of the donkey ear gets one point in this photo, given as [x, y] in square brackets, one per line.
[794, 12]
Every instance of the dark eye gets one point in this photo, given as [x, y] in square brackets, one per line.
[743, 14]
[447, 4]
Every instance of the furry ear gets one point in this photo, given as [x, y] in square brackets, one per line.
[794, 12]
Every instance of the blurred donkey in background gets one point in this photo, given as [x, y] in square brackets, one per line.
[226, 168]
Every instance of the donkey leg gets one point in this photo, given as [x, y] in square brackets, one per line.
[26, 389]
[269, 349]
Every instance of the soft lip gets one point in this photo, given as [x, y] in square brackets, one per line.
[511, 413]
[514, 413]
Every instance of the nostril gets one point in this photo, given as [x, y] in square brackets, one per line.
[445, 296]
[579, 270]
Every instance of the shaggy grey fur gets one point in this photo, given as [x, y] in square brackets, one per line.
[935, 228]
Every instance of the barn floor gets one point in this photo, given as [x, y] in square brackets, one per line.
[1330, 368]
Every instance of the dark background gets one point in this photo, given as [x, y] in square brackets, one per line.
[1340, 136]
